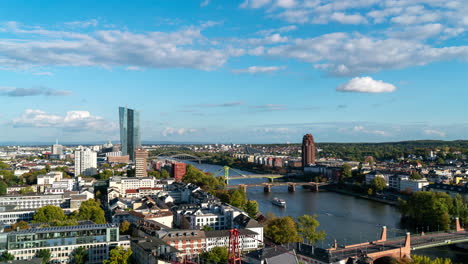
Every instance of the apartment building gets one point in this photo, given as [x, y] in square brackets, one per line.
[98, 239]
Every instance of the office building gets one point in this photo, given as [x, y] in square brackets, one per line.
[308, 150]
[98, 239]
[57, 149]
[85, 162]
[141, 155]
[178, 171]
[129, 121]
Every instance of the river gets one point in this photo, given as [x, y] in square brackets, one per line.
[344, 218]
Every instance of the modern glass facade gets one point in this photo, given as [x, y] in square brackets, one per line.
[61, 241]
[61, 236]
[130, 137]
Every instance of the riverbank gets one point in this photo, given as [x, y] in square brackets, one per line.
[334, 188]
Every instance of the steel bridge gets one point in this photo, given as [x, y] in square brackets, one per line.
[180, 156]
[399, 247]
[225, 173]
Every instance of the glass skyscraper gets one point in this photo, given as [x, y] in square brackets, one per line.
[130, 137]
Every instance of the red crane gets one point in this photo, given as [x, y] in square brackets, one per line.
[234, 254]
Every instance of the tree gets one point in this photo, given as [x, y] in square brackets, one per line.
[20, 225]
[165, 174]
[306, 227]
[370, 191]
[80, 255]
[3, 188]
[215, 255]
[6, 256]
[430, 209]
[26, 190]
[48, 213]
[251, 208]
[346, 171]
[44, 254]
[4, 166]
[207, 228]
[238, 198]
[124, 227]
[415, 175]
[379, 183]
[282, 230]
[118, 255]
[91, 210]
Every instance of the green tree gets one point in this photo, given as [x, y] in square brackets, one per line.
[44, 254]
[119, 255]
[207, 228]
[6, 256]
[165, 174]
[20, 225]
[215, 255]
[282, 230]
[26, 190]
[80, 256]
[238, 198]
[124, 227]
[307, 228]
[347, 171]
[415, 175]
[3, 188]
[91, 210]
[251, 208]
[48, 213]
[370, 191]
[4, 166]
[429, 209]
[379, 183]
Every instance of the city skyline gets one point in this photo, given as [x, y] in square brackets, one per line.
[246, 71]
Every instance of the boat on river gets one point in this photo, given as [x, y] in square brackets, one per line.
[279, 202]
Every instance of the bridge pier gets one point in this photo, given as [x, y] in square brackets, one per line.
[314, 187]
[457, 224]
[291, 187]
[243, 187]
[267, 188]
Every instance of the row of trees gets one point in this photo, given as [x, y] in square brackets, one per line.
[285, 229]
[238, 198]
[53, 215]
[433, 209]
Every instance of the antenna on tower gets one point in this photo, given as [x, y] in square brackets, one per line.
[56, 141]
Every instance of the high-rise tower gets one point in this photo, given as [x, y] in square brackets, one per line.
[308, 150]
[141, 156]
[129, 121]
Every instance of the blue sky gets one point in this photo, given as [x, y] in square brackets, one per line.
[235, 71]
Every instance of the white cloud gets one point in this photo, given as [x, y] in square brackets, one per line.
[44, 73]
[362, 129]
[23, 92]
[170, 131]
[186, 48]
[286, 3]
[366, 85]
[433, 132]
[348, 19]
[277, 30]
[345, 54]
[82, 24]
[254, 3]
[72, 121]
[205, 3]
[260, 69]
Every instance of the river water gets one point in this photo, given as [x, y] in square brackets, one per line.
[344, 218]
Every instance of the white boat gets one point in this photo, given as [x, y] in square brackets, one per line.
[279, 202]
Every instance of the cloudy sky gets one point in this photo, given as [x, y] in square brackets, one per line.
[235, 71]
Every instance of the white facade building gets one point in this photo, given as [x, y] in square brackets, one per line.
[413, 185]
[85, 162]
